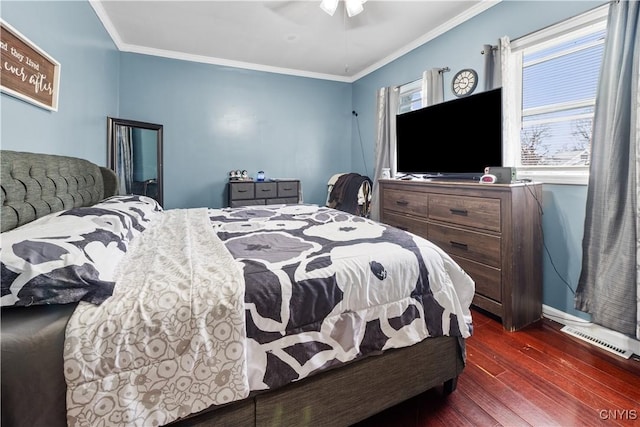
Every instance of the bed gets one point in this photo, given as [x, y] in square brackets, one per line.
[117, 312]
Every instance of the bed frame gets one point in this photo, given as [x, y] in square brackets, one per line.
[34, 185]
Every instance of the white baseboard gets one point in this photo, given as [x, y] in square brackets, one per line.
[614, 338]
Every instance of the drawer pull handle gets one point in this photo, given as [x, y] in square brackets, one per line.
[287, 188]
[265, 190]
[242, 191]
[462, 212]
[458, 245]
[402, 202]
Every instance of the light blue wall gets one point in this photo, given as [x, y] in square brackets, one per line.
[564, 205]
[217, 118]
[562, 224]
[73, 35]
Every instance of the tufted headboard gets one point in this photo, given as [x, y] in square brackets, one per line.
[35, 185]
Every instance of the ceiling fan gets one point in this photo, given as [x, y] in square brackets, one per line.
[353, 7]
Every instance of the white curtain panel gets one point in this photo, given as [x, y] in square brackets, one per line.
[386, 110]
[432, 87]
[510, 67]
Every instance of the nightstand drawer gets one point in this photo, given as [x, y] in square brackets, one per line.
[479, 247]
[252, 202]
[287, 189]
[266, 190]
[474, 212]
[242, 190]
[284, 201]
[263, 193]
[405, 202]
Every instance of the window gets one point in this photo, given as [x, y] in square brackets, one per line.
[410, 96]
[557, 70]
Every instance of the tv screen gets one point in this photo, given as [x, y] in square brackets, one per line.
[452, 139]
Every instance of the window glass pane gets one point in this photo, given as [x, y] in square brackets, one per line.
[559, 85]
[569, 45]
[560, 138]
[410, 102]
[566, 78]
[410, 96]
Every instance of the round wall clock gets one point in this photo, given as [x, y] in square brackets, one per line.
[464, 82]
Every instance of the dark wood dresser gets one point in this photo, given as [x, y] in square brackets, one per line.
[493, 231]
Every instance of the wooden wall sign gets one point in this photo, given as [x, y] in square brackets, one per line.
[26, 71]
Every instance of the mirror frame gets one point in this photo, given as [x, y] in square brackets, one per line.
[112, 122]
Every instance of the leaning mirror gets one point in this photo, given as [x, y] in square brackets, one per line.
[135, 155]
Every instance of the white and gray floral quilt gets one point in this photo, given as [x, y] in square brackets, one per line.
[198, 307]
[324, 287]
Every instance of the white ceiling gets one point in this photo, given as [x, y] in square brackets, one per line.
[291, 37]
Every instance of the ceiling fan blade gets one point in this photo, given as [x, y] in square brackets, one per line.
[292, 10]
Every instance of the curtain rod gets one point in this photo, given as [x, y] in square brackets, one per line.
[492, 48]
[440, 70]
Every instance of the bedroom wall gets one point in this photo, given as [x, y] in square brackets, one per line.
[219, 118]
[72, 34]
[460, 47]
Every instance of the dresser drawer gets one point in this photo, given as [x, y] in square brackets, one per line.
[479, 247]
[242, 190]
[288, 189]
[474, 212]
[402, 222]
[408, 202]
[283, 201]
[488, 279]
[266, 190]
[252, 202]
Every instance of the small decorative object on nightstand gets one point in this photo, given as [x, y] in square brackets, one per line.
[237, 175]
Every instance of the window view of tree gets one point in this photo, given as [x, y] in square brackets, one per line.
[533, 148]
[559, 83]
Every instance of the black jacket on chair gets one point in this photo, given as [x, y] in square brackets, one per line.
[344, 194]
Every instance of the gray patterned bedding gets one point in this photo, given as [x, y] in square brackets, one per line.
[324, 287]
[227, 301]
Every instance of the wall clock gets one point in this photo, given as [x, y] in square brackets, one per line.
[464, 82]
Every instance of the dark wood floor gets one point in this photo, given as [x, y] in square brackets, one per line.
[538, 376]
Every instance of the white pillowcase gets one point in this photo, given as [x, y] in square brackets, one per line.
[71, 255]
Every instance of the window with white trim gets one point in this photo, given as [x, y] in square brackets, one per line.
[558, 72]
[410, 97]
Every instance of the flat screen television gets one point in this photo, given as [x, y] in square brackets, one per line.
[454, 139]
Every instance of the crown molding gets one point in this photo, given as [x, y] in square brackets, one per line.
[124, 47]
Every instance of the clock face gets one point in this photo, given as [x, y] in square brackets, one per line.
[464, 82]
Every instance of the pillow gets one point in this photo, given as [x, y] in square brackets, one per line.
[71, 256]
